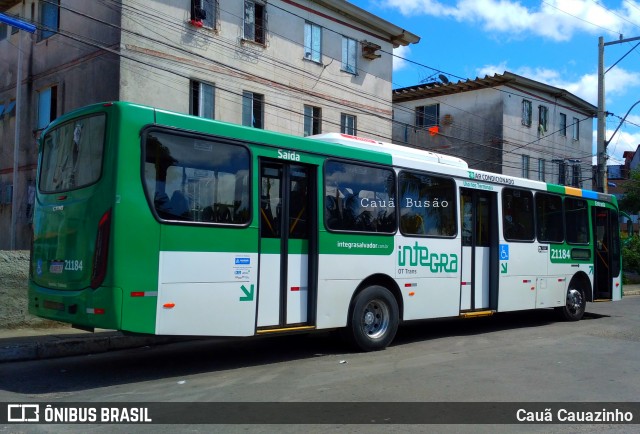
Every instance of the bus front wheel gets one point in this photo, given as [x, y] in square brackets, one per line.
[374, 319]
[574, 307]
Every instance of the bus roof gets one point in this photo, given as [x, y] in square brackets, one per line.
[402, 151]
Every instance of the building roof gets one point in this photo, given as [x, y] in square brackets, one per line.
[437, 89]
[396, 35]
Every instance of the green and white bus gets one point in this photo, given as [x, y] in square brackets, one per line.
[155, 222]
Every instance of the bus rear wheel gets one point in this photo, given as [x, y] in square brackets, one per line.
[574, 307]
[374, 319]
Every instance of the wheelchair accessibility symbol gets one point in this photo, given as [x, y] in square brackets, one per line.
[504, 252]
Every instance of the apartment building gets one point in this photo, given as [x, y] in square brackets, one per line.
[505, 123]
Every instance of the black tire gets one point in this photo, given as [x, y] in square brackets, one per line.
[374, 319]
[575, 304]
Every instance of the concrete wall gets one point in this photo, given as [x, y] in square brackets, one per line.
[470, 127]
[14, 271]
[550, 145]
[276, 69]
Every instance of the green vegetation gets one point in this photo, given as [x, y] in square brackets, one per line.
[631, 254]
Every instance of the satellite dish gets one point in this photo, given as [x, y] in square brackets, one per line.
[443, 78]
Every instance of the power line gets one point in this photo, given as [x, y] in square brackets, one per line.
[218, 87]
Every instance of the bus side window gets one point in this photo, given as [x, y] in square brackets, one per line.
[179, 204]
[333, 212]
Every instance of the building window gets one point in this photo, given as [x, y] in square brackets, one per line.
[525, 166]
[562, 172]
[575, 129]
[348, 124]
[349, 55]
[204, 12]
[202, 99]
[47, 106]
[255, 21]
[312, 42]
[3, 31]
[252, 109]
[576, 175]
[543, 116]
[312, 120]
[526, 112]
[49, 18]
[541, 169]
[563, 124]
[428, 115]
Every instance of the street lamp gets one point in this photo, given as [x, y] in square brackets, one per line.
[27, 27]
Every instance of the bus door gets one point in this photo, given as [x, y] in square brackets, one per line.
[478, 285]
[606, 264]
[286, 286]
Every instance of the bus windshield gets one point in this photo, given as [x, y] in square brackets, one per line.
[72, 154]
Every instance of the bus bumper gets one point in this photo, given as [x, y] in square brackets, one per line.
[92, 308]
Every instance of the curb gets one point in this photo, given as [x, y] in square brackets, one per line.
[17, 349]
[37, 348]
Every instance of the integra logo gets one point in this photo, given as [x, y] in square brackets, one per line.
[417, 255]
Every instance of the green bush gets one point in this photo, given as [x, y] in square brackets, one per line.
[631, 254]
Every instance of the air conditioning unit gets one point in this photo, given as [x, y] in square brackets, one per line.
[369, 50]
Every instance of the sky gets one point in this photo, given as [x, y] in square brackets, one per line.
[553, 41]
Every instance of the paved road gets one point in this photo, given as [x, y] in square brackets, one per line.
[511, 357]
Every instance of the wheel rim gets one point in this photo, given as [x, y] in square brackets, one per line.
[375, 319]
[574, 301]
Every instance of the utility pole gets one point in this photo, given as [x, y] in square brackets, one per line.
[19, 24]
[601, 152]
[601, 141]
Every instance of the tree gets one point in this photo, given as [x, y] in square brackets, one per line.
[631, 255]
[630, 202]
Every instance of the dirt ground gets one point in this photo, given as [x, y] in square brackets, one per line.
[14, 271]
